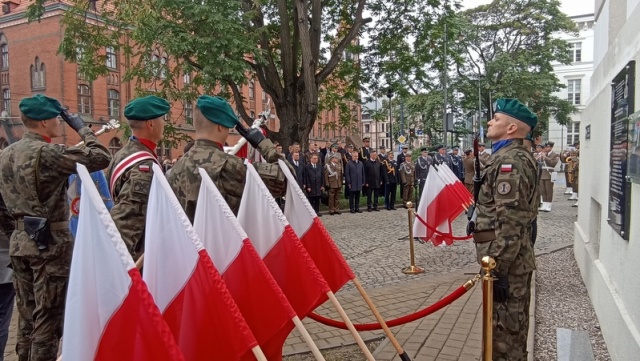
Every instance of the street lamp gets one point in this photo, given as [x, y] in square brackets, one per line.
[390, 95]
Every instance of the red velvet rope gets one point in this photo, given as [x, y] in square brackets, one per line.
[448, 235]
[397, 321]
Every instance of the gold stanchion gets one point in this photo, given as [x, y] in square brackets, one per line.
[488, 264]
[413, 269]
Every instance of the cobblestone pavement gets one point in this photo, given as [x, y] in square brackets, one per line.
[370, 243]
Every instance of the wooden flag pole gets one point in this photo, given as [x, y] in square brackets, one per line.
[403, 355]
[307, 338]
[257, 352]
[140, 262]
[350, 326]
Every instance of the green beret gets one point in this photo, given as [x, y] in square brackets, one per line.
[40, 107]
[146, 108]
[517, 110]
[217, 110]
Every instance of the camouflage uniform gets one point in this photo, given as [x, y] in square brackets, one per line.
[506, 208]
[227, 171]
[130, 193]
[33, 182]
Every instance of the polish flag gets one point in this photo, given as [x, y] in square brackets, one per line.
[258, 296]
[189, 291]
[109, 313]
[461, 191]
[438, 206]
[314, 235]
[279, 247]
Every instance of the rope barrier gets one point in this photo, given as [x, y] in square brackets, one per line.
[438, 233]
[450, 298]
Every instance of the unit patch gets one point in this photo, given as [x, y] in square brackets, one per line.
[504, 188]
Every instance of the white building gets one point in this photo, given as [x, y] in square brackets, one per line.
[576, 77]
[608, 259]
[375, 129]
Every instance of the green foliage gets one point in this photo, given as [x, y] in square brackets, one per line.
[509, 49]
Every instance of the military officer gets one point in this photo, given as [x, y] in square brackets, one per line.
[33, 184]
[423, 164]
[391, 181]
[469, 163]
[407, 178]
[399, 159]
[441, 156]
[484, 155]
[575, 172]
[212, 119]
[366, 149]
[333, 181]
[130, 170]
[455, 162]
[549, 159]
[505, 210]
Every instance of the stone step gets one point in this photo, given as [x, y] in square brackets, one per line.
[573, 345]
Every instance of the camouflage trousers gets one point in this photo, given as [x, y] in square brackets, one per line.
[41, 288]
[511, 321]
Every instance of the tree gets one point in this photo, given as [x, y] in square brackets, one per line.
[508, 50]
[295, 49]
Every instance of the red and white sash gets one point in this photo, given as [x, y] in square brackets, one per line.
[127, 163]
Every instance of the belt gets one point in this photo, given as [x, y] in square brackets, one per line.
[484, 236]
[55, 226]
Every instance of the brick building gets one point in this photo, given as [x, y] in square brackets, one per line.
[29, 64]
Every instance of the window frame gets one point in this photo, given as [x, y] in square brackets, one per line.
[111, 58]
[84, 100]
[573, 96]
[6, 101]
[111, 101]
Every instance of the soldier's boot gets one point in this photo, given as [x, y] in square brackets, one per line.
[546, 207]
[575, 204]
[541, 206]
[574, 197]
[569, 190]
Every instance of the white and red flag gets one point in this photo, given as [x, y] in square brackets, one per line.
[189, 291]
[260, 299]
[279, 246]
[109, 313]
[439, 205]
[314, 235]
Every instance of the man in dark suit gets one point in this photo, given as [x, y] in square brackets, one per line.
[314, 182]
[295, 148]
[373, 174]
[355, 179]
[299, 168]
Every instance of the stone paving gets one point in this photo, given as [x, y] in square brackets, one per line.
[370, 243]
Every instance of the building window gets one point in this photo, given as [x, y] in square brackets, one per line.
[366, 128]
[252, 90]
[112, 58]
[84, 99]
[4, 53]
[6, 101]
[186, 79]
[114, 146]
[38, 71]
[573, 133]
[163, 66]
[573, 88]
[113, 98]
[188, 112]
[264, 96]
[576, 52]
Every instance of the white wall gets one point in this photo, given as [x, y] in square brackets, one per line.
[608, 263]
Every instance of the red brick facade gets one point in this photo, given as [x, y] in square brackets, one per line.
[35, 67]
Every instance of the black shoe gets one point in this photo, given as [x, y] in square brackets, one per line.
[331, 213]
[368, 209]
[376, 209]
[319, 215]
[393, 208]
[336, 212]
[358, 211]
[352, 211]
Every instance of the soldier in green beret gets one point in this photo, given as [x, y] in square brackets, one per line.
[33, 183]
[212, 119]
[130, 171]
[502, 225]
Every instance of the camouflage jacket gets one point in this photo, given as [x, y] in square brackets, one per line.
[130, 193]
[507, 205]
[407, 173]
[227, 171]
[33, 182]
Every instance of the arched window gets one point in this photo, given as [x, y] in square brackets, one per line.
[163, 66]
[114, 145]
[113, 98]
[6, 100]
[37, 75]
[4, 53]
[84, 99]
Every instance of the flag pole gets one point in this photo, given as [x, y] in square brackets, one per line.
[412, 269]
[350, 326]
[257, 352]
[403, 355]
[140, 262]
[307, 338]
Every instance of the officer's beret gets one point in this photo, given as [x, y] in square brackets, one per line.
[517, 110]
[217, 110]
[146, 108]
[365, 139]
[40, 107]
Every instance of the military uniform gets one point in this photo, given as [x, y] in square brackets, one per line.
[549, 161]
[423, 164]
[484, 157]
[391, 181]
[333, 181]
[33, 182]
[505, 210]
[408, 179]
[469, 164]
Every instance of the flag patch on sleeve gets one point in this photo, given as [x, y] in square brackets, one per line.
[506, 168]
[144, 168]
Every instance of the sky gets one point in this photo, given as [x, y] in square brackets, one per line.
[569, 7]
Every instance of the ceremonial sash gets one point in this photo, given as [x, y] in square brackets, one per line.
[127, 163]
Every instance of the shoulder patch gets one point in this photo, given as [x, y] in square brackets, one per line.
[144, 168]
[504, 188]
[505, 168]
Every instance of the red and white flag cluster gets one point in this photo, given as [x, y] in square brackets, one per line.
[225, 288]
[444, 198]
